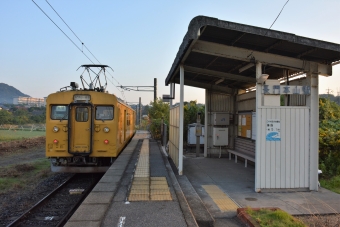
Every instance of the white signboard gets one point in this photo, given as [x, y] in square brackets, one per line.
[273, 130]
[285, 90]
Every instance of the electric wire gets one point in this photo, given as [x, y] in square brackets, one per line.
[121, 91]
[61, 30]
[272, 24]
[78, 38]
[278, 15]
[71, 30]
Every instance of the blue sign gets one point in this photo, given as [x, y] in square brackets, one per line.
[273, 130]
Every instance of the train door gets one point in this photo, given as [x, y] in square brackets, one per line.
[80, 128]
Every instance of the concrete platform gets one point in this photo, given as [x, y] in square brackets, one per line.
[206, 195]
[238, 183]
[108, 204]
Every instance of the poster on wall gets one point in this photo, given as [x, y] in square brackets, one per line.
[273, 130]
[244, 127]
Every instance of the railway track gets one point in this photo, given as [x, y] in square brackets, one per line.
[58, 206]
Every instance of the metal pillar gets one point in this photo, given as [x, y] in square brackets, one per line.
[313, 103]
[181, 121]
[171, 94]
[206, 124]
[258, 128]
[155, 89]
[140, 112]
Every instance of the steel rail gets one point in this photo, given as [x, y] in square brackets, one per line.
[24, 215]
[63, 221]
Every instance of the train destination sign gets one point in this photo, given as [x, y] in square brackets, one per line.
[285, 90]
[81, 97]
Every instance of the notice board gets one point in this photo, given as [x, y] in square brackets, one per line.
[245, 125]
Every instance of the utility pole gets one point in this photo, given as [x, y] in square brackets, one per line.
[143, 88]
[155, 89]
[140, 112]
[328, 91]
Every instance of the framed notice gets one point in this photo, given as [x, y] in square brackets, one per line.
[245, 125]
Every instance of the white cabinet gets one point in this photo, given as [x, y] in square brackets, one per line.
[220, 136]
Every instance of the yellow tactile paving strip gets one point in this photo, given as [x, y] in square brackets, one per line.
[220, 198]
[143, 165]
[144, 187]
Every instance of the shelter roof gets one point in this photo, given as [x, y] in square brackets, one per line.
[218, 54]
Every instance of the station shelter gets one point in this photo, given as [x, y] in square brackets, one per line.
[261, 98]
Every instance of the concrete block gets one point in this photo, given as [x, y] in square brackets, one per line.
[105, 187]
[98, 198]
[83, 224]
[114, 172]
[110, 179]
[88, 212]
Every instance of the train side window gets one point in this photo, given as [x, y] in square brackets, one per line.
[82, 114]
[59, 112]
[104, 113]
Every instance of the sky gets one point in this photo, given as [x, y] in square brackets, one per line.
[137, 39]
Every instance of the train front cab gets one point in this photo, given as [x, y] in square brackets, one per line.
[81, 136]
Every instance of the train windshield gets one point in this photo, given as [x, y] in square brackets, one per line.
[59, 112]
[104, 113]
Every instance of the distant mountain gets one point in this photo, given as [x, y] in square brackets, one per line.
[7, 93]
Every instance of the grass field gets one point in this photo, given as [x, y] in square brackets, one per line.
[19, 176]
[10, 135]
[332, 184]
[278, 218]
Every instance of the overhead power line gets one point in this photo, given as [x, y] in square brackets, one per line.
[61, 30]
[82, 43]
[251, 54]
[278, 14]
[71, 30]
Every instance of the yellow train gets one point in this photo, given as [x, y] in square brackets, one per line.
[86, 128]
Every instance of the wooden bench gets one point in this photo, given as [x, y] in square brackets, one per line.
[246, 155]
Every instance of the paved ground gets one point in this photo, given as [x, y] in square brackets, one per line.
[210, 187]
[239, 182]
[108, 204]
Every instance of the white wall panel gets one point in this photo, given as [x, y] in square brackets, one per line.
[285, 163]
[246, 101]
[174, 135]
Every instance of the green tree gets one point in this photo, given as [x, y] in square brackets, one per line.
[329, 138]
[158, 112]
[20, 116]
[5, 117]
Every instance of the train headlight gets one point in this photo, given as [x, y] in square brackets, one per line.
[55, 129]
[106, 129]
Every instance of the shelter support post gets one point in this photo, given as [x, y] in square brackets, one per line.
[313, 103]
[181, 121]
[206, 124]
[258, 128]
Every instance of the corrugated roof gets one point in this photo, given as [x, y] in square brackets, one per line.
[204, 67]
